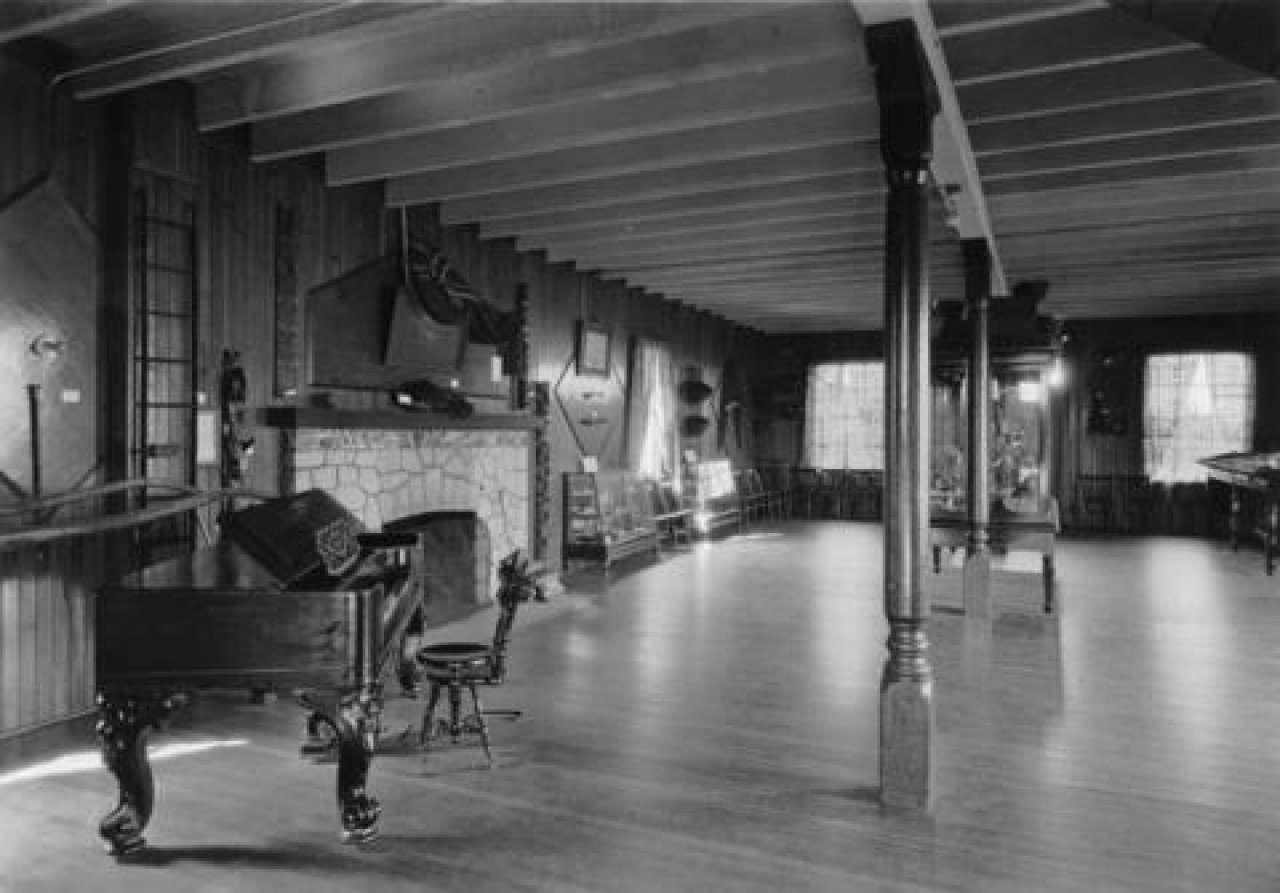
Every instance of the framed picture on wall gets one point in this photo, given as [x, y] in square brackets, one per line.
[593, 348]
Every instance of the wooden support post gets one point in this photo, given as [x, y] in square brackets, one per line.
[977, 563]
[908, 103]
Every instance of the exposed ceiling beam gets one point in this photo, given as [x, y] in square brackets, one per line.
[1086, 39]
[187, 56]
[954, 167]
[688, 271]
[748, 233]
[1189, 71]
[1217, 189]
[779, 168]
[1262, 163]
[687, 254]
[18, 20]
[1151, 117]
[786, 131]
[1123, 150]
[554, 104]
[549, 49]
[957, 17]
[439, 135]
[862, 190]
[803, 208]
[746, 229]
[1246, 31]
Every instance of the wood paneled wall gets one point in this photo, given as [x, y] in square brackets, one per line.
[257, 226]
[1110, 355]
[50, 166]
[46, 632]
[559, 296]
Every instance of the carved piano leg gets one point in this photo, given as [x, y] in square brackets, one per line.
[354, 721]
[122, 722]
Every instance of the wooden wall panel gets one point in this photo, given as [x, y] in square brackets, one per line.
[46, 633]
[560, 296]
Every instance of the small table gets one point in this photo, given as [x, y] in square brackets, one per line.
[1032, 528]
[1257, 474]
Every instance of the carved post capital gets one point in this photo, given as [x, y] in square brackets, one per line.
[908, 100]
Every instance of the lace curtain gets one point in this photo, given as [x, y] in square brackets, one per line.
[1195, 405]
[651, 412]
[844, 416]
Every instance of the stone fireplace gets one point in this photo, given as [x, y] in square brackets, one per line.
[387, 465]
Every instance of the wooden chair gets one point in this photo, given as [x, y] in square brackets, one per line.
[453, 666]
[1095, 496]
[804, 490]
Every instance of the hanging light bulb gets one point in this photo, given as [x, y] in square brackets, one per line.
[1057, 373]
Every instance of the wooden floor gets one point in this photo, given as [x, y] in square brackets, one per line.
[709, 724]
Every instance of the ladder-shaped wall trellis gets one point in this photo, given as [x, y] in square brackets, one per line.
[164, 352]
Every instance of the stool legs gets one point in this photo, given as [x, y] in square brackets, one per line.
[457, 724]
[481, 726]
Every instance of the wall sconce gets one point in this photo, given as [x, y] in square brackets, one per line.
[48, 348]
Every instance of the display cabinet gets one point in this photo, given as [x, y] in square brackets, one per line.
[1024, 355]
[1025, 350]
[607, 516]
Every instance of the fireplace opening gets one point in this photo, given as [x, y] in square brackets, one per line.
[457, 564]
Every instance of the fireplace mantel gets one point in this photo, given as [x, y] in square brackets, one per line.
[391, 420]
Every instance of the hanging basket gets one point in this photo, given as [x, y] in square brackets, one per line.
[694, 425]
[694, 392]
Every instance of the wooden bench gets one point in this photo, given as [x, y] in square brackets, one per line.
[673, 520]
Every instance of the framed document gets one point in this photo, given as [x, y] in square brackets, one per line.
[593, 348]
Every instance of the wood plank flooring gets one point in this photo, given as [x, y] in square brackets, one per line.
[709, 723]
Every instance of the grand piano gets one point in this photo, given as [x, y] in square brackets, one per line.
[1253, 482]
[295, 596]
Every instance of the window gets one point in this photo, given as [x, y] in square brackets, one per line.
[652, 438]
[1194, 405]
[844, 415]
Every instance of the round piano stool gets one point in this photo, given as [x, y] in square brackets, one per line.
[451, 666]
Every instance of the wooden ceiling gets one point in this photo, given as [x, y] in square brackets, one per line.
[725, 154]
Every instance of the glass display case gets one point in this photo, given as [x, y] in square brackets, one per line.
[608, 515]
[1018, 437]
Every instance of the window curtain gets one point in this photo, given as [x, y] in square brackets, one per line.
[651, 412]
[1195, 405]
[844, 416]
